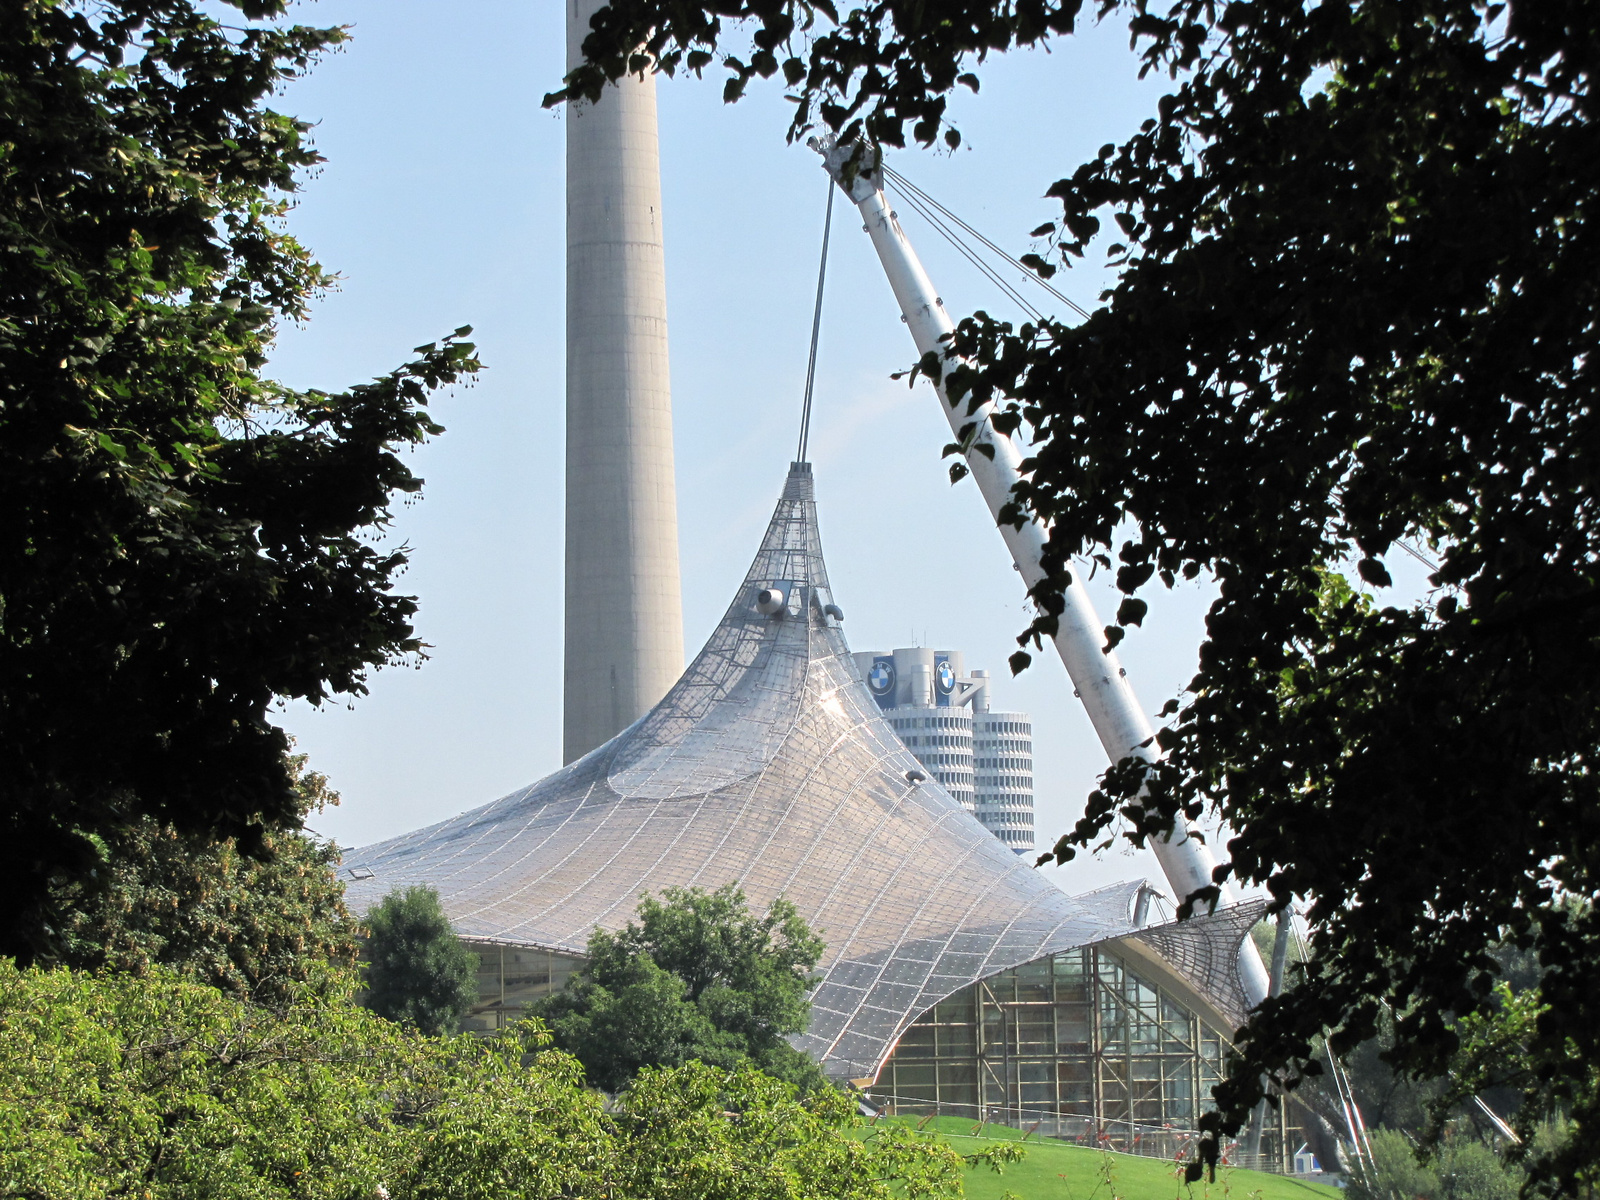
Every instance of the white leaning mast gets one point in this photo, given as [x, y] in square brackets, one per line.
[1099, 679]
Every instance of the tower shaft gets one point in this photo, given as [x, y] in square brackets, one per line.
[624, 619]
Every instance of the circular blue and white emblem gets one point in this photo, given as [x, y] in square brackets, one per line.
[945, 677]
[881, 678]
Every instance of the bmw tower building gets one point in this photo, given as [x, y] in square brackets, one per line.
[983, 758]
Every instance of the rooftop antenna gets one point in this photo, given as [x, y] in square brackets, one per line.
[816, 329]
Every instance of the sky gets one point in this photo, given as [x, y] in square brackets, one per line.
[440, 204]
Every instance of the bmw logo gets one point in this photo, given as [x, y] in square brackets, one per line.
[945, 675]
[881, 678]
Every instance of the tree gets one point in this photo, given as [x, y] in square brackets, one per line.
[700, 1131]
[181, 540]
[166, 1089]
[1395, 1171]
[160, 1087]
[1462, 1169]
[417, 971]
[697, 977]
[1354, 318]
[1469, 1170]
[252, 926]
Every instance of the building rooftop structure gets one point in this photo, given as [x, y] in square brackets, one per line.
[770, 764]
[982, 757]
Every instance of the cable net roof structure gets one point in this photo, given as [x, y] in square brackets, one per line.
[769, 765]
[1204, 952]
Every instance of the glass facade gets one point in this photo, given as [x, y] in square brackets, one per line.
[510, 977]
[1080, 1044]
[941, 739]
[1002, 751]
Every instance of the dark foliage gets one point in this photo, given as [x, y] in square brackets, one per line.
[697, 977]
[1356, 308]
[254, 927]
[180, 539]
[417, 972]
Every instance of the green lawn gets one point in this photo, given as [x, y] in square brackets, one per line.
[1056, 1171]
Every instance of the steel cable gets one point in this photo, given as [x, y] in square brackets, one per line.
[816, 329]
[909, 189]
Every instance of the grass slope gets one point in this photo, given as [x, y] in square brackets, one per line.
[1056, 1171]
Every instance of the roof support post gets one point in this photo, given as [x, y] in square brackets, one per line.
[1098, 678]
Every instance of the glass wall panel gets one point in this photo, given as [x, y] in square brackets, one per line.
[1071, 982]
[1177, 1089]
[509, 977]
[957, 1041]
[1036, 1084]
[1034, 981]
[1073, 1026]
[1036, 1029]
[1075, 1086]
[1080, 1043]
[917, 1042]
[527, 975]
[957, 1078]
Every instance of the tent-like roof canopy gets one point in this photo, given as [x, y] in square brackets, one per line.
[769, 765]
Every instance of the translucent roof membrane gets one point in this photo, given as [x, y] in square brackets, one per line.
[768, 765]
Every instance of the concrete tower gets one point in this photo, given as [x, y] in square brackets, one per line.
[624, 618]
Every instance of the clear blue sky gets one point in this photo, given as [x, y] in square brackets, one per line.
[441, 205]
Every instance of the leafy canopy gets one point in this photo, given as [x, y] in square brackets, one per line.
[698, 976]
[1356, 311]
[1463, 1170]
[182, 540]
[157, 1087]
[417, 972]
[253, 926]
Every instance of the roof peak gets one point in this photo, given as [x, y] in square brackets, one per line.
[768, 764]
[799, 485]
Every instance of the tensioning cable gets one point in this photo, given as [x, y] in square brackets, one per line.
[967, 252]
[932, 211]
[816, 329]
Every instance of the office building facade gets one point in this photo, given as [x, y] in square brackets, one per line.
[982, 757]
